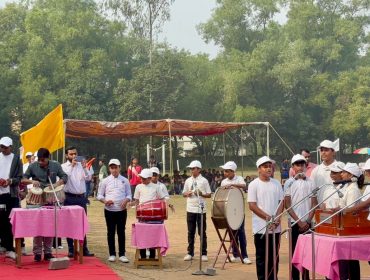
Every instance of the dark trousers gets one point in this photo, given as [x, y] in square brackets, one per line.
[295, 271]
[241, 241]
[143, 253]
[88, 188]
[6, 234]
[80, 201]
[260, 244]
[193, 221]
[133, 187]
[57, 242]
[17, 204]
[349, 269]
[116, 222]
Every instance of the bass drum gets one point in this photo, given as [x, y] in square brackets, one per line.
[228, 208]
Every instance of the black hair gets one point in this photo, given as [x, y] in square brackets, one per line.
[69, 149]
[43, 153]
[360, 181]
[305, 150]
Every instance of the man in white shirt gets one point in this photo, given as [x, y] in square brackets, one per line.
[144, 192]
[296, 189]
[234, 181]
[75, 190]
[321, 173]
[264, 198]
[196, 189]
[115, 192]
[10, 176]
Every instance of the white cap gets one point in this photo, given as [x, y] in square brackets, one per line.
[114, 161]
[29, 154]
[195, 163]
[6, 141]
[337, 166]
[263, 160]
[146, 173]
[367, 165]
[327, 144]
[353, 169]
[155, 170]
[230, 165]
[297, 158]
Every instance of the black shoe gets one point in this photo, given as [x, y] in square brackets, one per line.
[88, 254]
[37, 258]
[70, 255]
[47, 257]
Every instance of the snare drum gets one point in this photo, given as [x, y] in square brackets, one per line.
[228, 208]
[34, 197]
[50, 197]
[155, 210]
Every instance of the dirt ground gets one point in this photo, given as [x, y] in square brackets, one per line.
[174, 266]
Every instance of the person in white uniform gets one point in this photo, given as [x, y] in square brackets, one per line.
[115, 192]
[264, 197]
[196, 189]
[234, 181]
[321, 173]
[296, 189]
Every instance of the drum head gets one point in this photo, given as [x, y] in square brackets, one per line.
[235, 208]
[37, 191]
[49, 189]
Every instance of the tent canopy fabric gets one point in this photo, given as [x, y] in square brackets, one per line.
[166, 127]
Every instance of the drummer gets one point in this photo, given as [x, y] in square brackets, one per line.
[196, 189]
[162, 186]
[232, 180]
[40, 171]
[264, 198]
[144, 192]
[297, 188]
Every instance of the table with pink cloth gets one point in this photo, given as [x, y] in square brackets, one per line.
[71, 222]
[328, 251]
[145, 235]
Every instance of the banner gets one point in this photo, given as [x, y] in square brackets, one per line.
[48, 133]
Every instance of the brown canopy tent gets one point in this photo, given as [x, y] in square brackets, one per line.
[165, 127]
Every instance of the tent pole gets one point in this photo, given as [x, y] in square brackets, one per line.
[268, 139]
[223, 142]
[242, 150]
[64, 146]
[170, 146]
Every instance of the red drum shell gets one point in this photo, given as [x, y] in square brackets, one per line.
[155, 210]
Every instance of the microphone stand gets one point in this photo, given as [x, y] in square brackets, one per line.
[201, 205]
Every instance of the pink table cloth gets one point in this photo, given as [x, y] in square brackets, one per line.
[71, 222]
[328, 250]
[149, 236]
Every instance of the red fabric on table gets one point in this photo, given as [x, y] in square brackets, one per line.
[92, 269]
[328, 250]
[149, 236]
[71, 222]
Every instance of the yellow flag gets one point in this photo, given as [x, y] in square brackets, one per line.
[48, 133]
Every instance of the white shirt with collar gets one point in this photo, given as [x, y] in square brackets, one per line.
[115, 189]
[164, 190]
[192, 202]
[5, 164]
[148, 192]
[321, 176]
[76, 178]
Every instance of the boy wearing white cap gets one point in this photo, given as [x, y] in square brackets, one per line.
[115, 192]
[147, 191]
[196, 189]
[332, 200]
[296, 189]
[232, 180]
[264, 197]
[321, 173]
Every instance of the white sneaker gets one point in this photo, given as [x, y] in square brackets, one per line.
[60, 247]
[10, 254]
[24, 252]
[112, 258]
[233, 259]
[204, 258]
[247, 261]
[123, 259]
[188, 257]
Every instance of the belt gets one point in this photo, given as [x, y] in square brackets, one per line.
[74, 194]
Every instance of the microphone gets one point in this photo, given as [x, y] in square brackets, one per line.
[300, 176]
[353, 179]
[340, 194]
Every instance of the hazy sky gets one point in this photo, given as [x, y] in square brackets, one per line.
[180, 31]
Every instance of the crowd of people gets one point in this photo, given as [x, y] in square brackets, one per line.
[331, 184]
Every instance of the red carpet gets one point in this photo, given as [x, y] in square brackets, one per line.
[92, 269]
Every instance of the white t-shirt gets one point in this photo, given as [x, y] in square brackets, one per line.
[350, 192]
[299, 190]
[192, 202]
[238, 180]
[5, 164]
[267, 195]
[164, 190]
[149, 192]
[331, 199]
[321, 176]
